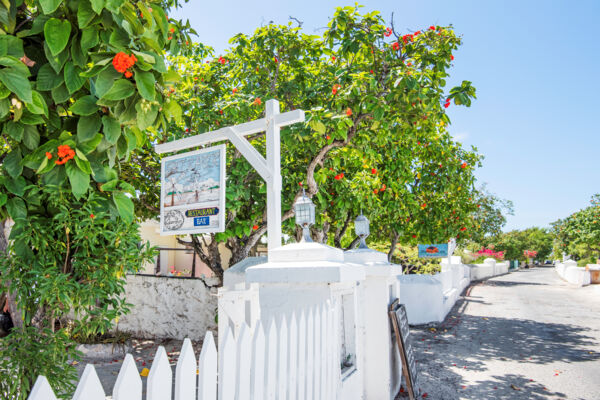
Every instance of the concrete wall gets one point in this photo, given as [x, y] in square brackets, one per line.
[570, 272]
[166, 307]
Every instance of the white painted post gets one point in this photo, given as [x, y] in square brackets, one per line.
[186, 373]
[258, 362]
[89, 386]
[207, 369]
[293, 357]
[317, 357]
[310, 353]
[129, 384]
[324, 349]
[227, 367]
[244, 354]
[274, 166]
[160, 377]
[42, 390]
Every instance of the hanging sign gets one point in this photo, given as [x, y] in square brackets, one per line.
[433, 250]
[192, 196]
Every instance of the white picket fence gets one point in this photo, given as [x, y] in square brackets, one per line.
[295, 358]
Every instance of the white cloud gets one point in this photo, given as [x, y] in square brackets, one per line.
[461, 136]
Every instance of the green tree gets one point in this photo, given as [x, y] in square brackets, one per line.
[374, 139]
[579, 233]
[82, 88]
[513, 243]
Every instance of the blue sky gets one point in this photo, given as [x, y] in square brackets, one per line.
[536, 67]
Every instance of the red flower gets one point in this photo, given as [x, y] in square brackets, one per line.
[92, 216]
[327, 137]
[335, 88]
[463, 229]
[432, 28]
[342, 174]
[376, 191]
[396, 45]
[170, 37]
[221, 112]
[373, 171]
[121, 61]
[388, 32]
[49, 155]
[300, 183]
[371, 71]
[417, 33]
[187, 129]
[463, 165]
[65, 153]
[257, 101]
[332, 58]
[234, 90]
[222, 60]
[275, 59]
[451, 57]
[255, 227]
[128, 74]
[383, 187]
[446, 105]
[348, 111]
[414, 236]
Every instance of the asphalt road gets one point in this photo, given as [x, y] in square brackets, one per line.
[524, 335]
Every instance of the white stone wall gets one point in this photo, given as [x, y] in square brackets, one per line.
[166, 307]
[570, 272]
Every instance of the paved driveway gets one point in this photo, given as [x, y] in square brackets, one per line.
[524, 335]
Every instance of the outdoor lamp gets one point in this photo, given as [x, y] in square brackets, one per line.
[305, 215]
[361, 227]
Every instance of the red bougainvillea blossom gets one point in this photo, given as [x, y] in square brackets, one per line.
[122, 62]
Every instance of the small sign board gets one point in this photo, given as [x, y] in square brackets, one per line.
[397, 313]
[433, 250]
[193, 192]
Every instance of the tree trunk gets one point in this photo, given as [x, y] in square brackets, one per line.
[393, 243]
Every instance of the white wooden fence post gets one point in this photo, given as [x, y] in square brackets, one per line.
[207, 369]
[129, 383]
[310, 353]
[282, 359]
[317, 359]
[42, 390]
[160, 378]
[244, 362]
[258, 363]
[89, 387]
[227, 367]
[186, 373]
[302, 351]
[325, 334]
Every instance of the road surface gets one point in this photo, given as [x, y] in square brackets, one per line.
[524, 335]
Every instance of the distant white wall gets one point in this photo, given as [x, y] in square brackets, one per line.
[570, 272]
[166, 307]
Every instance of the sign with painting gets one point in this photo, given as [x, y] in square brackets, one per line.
[399, 320]
[433, 250]
[192, 196]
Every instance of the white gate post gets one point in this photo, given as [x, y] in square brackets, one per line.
[274, 183]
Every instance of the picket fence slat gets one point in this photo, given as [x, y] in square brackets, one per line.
[244, 354]
[227, 367]
[302, 350]
[89, 386]
[186, 373]
[258, 363]
[318, 350]
[160, 377]
[271, 367]
[282, 362]
[310, 354]
[293, 357]
[324, 350]
[331, 353]
[129, 383]
[41, 390]
[207, 369]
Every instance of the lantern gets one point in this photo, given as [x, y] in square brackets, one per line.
[305, 215]
[361, 227]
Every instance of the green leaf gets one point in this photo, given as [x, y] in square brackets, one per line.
[60, 94]
[106, 80]
[73, 81]
[31, 137]
[88, 127]
[12, 163]
[91, 145]
[56, 34]
[80, 181]
[83, 165]
[89, 38]
[29, 118]
[16, 186]
[121, 89]
[124, 206]
[111, 129]
[49, 6]
[145, 83]
[85, 105]
[16, 208]
[11, 46]
[47, 78]
[56, 61]
[38, 105]
[146, 114]
[3, 198]
[173, 110]
[17, 83]
[14, 130]
[85, 13]
[98, 5]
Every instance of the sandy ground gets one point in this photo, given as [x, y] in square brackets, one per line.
[524, 335]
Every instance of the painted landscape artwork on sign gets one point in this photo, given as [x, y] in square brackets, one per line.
[193, 192]
[433, 250]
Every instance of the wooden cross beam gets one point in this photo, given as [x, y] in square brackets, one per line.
[269, 168]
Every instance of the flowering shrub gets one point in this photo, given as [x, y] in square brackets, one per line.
[489, 253]
[530, 253]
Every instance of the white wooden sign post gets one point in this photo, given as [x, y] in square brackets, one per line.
[269, 168]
